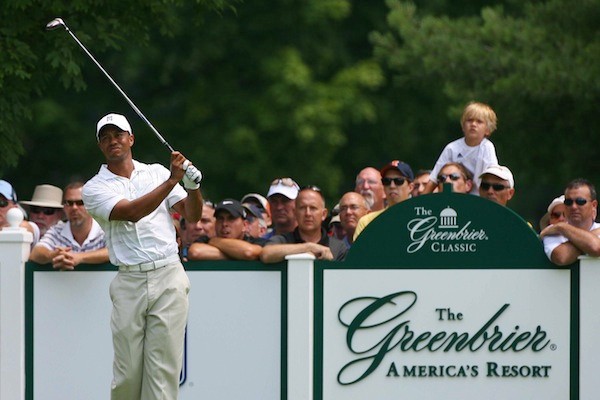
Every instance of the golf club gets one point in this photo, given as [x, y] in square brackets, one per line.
[57, 23]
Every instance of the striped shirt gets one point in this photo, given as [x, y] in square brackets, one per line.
[61, 235]
[152, 238]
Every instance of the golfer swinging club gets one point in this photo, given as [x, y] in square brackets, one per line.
[131, 201]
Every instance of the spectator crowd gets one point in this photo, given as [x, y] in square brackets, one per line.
[291, 219]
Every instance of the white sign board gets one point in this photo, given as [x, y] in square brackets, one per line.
[446, 334]
[233, 343]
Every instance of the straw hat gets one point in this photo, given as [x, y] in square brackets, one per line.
[46, 196]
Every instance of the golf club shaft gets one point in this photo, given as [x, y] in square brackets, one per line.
[54, 24]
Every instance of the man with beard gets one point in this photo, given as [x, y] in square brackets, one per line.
[232, 241]
[397, 183]
[45, 208]
[353, 207]
[79, 240]
[368, 184]
[565, 241]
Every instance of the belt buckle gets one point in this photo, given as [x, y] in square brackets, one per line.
[149, 266]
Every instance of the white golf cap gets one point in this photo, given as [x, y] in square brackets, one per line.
[501, 172]
[255, 196]
[117, 120]
[559, 200]
[285, 186]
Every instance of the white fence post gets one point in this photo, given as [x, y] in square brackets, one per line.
[15, 244]
[589, 326]
[300, 321]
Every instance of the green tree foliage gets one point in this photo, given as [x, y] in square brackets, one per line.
[313, 89]
[537, 65]
[263, 90]
[35, 65]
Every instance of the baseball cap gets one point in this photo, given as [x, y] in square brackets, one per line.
[253, 210]
[401, 166]
[117, 120]
[7, 191]
[255, 196]
[501, 172]
[559, 200]
[285, 186]
[46, 196]
[232, 206]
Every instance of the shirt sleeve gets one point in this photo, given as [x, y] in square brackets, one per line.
[442, 160]
[276, 239]
[99, 198]
[49, 240]
[552, 242]
[489, 155]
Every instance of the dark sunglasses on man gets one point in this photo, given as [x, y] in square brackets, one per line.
[453, 177]
[580, 201]
[42, 210]
[498, 187]
[397, 181]
[72, 203]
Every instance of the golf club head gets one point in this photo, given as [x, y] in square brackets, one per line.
[55, 23]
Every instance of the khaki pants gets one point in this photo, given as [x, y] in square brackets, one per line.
[148, 323]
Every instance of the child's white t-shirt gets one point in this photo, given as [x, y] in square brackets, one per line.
[475, 158]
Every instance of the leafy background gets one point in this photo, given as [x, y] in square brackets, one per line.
[313, 89]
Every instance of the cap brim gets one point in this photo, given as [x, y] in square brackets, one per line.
[41, 204]
[287, 191]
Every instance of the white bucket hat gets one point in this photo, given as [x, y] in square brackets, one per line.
[46, 196]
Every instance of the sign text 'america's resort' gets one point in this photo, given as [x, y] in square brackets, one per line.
[397, 333]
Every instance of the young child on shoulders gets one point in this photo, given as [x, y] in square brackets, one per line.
[475, 151]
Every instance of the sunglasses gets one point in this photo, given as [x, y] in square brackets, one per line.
[556, 215]
[3, 203]
[580, 201]
[496, 186]
[397, 181]
[43, 210]
[453, 177]
[285, 181]
[72, 203]
[311, 187]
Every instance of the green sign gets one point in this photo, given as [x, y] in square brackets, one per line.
[448, 230]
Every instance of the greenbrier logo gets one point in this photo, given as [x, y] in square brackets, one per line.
[385, 325]
[444, 234]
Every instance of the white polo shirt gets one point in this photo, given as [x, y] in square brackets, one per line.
[152, 238]
[553, 241]
[475, 158]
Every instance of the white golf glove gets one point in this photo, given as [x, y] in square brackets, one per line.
[193, 176]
